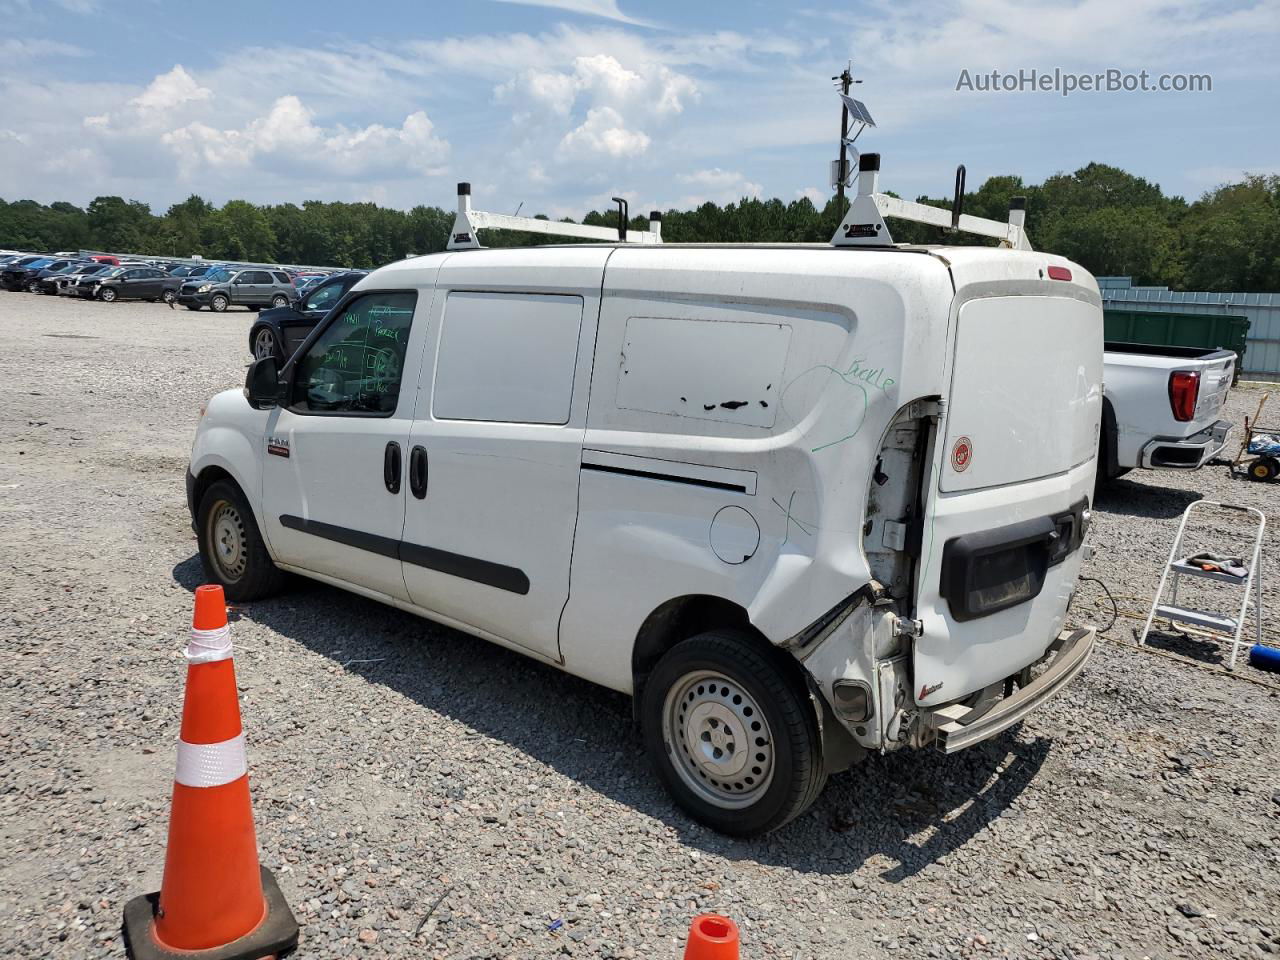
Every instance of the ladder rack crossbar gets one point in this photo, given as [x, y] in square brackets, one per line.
[468, 222]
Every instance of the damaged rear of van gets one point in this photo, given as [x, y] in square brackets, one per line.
[833, 502]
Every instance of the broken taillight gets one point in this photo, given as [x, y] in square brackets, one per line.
[1184, 390]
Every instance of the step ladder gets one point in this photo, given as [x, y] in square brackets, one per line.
[1223, 625]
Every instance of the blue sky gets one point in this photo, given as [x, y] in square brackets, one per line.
[558, 105]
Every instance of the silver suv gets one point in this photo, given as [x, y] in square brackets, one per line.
[252, 287]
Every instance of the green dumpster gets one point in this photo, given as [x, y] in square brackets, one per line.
[1211, 331]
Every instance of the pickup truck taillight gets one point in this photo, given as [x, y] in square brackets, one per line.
[1184, 390]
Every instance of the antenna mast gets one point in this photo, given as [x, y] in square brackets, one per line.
[842, 165]
[852, 113]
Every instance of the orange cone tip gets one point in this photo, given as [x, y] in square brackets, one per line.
[211, 608]
[712, 937]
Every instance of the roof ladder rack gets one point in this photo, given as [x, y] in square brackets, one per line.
[864, 225]
[468, 222]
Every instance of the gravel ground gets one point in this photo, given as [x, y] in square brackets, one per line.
[395, 763]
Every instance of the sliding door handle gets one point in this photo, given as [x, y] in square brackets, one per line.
[418, 472]
[391, 467]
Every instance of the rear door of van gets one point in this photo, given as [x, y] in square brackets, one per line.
[1012, 471]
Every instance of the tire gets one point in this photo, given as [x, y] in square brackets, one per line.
[107, 294]
[219, 303]
[710, 696]
[231, 547]
[264, 344]
[168, 296]
[31, 286]
[1264, 469]
[279, 300]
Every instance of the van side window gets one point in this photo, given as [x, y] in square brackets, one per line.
[507, 357]
[355, 365]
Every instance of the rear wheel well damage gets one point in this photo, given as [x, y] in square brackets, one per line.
[678, 619]
[683, 617]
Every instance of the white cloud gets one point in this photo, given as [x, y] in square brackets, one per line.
[14, 48]
[610, 107]
[600, 80]
[607, 9]
[287, 137]
[603, 133]
[169, 90]
[717, 186]
[816, 196]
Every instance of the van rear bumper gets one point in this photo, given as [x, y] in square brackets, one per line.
[1186, 453]
[958, 726]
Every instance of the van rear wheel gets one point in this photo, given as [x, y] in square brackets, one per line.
[231, 547]
[732, 734]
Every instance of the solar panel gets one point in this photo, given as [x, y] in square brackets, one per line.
[858, 110]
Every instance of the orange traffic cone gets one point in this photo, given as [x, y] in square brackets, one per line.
[215, 902]
[712, 937]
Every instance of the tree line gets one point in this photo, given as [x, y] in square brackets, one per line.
[1104, 218]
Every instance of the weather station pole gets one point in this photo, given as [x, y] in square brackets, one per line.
[842, 167]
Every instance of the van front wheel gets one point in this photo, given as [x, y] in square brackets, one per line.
[732, 734]
[231, 548]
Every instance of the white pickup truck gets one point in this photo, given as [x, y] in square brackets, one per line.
[1161, 407]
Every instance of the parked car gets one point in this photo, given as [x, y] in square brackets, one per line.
[1161, 407]
[129, 283]
[106, 258]
[65, 284]
[279, 331]
[250, 287]
[803, 505]
[15, 275]
[194, 271]
[44, 280]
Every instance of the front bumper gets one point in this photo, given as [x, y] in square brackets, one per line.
[958, 726]
[1187, 453]
[194, 299]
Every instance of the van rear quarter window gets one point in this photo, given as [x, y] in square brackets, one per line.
[507, 357]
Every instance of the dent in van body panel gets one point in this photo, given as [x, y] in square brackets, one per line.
[867, 331]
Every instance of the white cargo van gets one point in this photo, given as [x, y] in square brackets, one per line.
[802, 502]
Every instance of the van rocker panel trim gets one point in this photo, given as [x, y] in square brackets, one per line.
[487, 572]
[382, 546]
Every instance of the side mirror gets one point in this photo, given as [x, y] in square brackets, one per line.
[262, 385]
